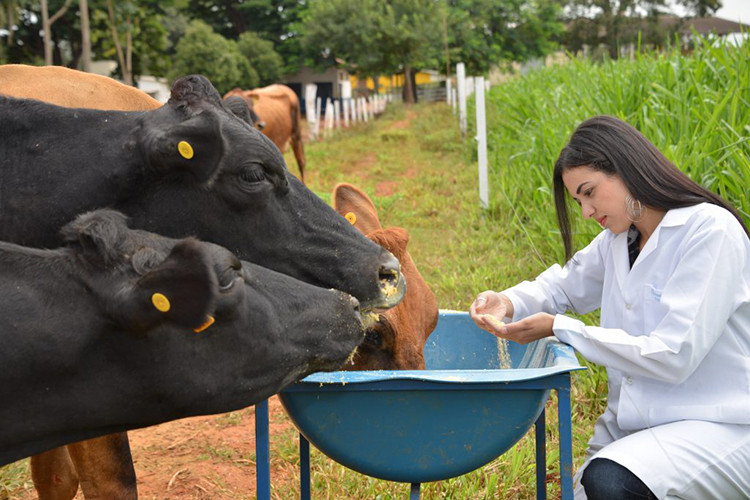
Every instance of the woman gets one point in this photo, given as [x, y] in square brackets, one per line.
[671, 274]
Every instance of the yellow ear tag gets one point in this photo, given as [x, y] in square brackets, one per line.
[351, 217]
[161, 302]
[185, 149]
[209, 321]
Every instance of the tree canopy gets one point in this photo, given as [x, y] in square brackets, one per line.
[257, 42]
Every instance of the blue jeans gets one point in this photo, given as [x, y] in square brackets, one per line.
[604, 479]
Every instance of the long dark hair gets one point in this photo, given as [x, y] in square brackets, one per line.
[611, 146]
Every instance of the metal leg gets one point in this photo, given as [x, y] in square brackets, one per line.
[414, 493]
[262, 453]
[541, 456]
[304, 468]
[566, 440]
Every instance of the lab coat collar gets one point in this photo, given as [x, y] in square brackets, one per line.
[679, 216]
[621, 260]
[673, 218]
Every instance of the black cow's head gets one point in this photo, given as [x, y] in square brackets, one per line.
[124, 328]
[212, 175]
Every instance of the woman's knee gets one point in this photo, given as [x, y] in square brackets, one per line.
[607, 480]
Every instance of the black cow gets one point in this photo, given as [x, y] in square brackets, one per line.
[100, 335]
[188, 168]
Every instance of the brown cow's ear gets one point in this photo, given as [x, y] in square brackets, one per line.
[182, 289]
[348, 199]
[194, 145]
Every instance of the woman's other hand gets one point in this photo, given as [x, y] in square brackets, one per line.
[489, 309]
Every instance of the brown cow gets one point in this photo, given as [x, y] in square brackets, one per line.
[72, 89]
[397, 340]
[76, 89]
[278, 108]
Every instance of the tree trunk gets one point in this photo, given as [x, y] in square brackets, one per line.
[408, 91]
[85, 36]
[116, 38]
[47, 23]
[47, 32]
[127, 72]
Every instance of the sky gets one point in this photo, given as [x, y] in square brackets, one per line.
[735, 10]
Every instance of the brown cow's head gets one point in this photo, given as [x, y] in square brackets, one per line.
[397, 339]
[241, 104]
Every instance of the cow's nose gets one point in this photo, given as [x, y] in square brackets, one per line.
[392, 282]
[390, 270]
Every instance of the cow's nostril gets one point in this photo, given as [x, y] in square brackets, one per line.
[388, 276]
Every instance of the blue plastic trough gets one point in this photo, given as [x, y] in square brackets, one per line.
[428, 425]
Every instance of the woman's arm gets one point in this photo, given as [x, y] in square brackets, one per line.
[708, 285]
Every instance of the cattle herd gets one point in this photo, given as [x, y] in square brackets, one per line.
[161, 261]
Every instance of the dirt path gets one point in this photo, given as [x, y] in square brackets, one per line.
[203, 457]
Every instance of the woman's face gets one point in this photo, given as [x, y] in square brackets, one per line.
[601, 197]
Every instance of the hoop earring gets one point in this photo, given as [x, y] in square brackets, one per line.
[634, 209]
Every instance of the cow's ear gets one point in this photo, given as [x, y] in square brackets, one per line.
[182, 289]
[357, 207]
[194, 145]
[99, 234]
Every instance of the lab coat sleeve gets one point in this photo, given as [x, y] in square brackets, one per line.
[698, 299]
[575, 287]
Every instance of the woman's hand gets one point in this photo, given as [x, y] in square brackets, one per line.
[529, 329]
[489, 309]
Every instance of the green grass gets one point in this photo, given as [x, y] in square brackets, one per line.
[694, 108]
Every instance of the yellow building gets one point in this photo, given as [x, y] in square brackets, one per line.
[386, 83]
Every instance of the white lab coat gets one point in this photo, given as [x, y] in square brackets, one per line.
[675, 329]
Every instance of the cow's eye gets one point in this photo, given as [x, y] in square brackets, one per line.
[253, 174]
[373, 337]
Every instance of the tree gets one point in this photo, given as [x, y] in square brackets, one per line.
[47, 23]
[272, 20]
[132, 33]
[482, 33]
[262, 57]
[614, 24]
[203, 51]
[701, 8]
[371, 37]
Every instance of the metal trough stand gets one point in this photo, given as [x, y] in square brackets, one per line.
[421, 426]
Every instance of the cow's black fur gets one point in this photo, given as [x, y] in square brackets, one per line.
[85, 352]
[56, 163]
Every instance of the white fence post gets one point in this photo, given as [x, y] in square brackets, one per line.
[328, 116]
[310, 91]
[461, 81]
[448, 91]
[363, 108]
[318, 106]
[337, 113]
[484, 194]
